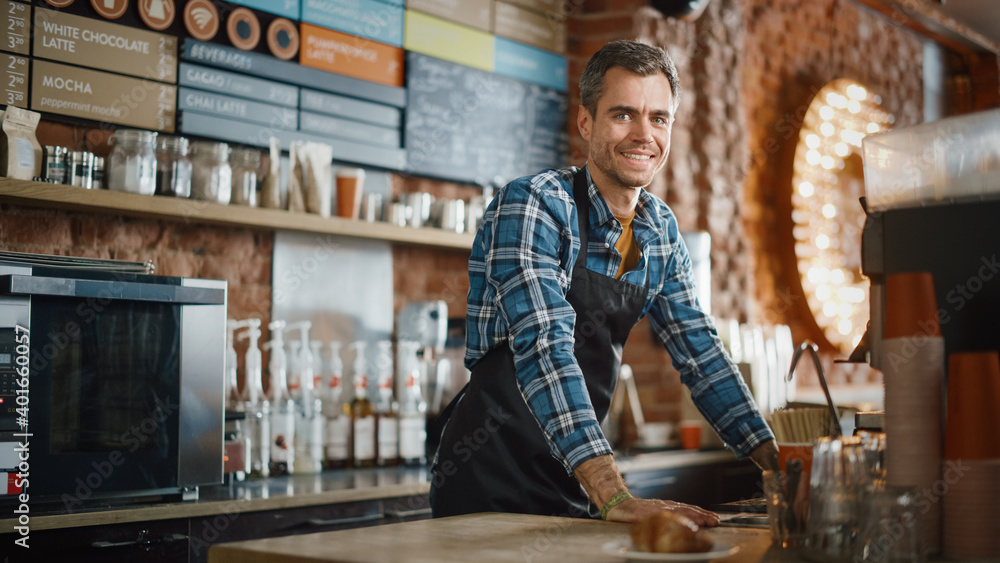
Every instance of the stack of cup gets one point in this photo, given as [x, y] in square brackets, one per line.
[972, 457]
[891, 529]
[913, 368]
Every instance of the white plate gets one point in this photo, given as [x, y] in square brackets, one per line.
[624, 549]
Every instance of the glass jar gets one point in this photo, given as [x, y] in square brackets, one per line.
[97, 173]
[78, 169]
[133, 162]
[211, 175]
[245, 163]
[55, 164]
[173, 167]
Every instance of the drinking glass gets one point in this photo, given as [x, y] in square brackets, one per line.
[839, 489]
[892, 528]
[873, 444]
[785, 522]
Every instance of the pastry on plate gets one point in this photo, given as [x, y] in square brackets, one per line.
[666, 532]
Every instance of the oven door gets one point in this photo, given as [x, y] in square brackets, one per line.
[106, 383]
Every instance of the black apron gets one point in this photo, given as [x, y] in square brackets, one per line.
[493, 456]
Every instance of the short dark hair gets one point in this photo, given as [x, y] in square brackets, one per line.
[633, 56]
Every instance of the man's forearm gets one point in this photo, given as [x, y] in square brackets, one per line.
[600, 477]
[765, 455]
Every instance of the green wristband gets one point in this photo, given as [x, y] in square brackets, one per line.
[613, 502]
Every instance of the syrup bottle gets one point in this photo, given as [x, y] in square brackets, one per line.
[282, 405]
[337, 438]
[362, 414]
[256, 405]
[413, 408]
[386, 408]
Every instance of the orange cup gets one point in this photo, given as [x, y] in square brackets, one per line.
[972, 430]
[691, 435]
[350, 186]
[803, 452]
[910, 306]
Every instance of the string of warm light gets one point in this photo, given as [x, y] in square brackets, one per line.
[839, 117]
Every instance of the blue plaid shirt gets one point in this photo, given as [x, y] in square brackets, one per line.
[519, 272]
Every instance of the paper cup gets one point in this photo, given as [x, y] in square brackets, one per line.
[972, 430]
[910, 306]
[802, 452]
[691, 435]
[970, 528]
[350, 187]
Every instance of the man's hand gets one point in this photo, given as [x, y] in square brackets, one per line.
[635, 509]
[766, 456]
[602, 480]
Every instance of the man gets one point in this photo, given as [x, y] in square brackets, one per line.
[564, 264]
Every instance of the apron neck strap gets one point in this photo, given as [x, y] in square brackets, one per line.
[581, 195]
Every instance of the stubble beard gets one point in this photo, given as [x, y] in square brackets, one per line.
[615, 172]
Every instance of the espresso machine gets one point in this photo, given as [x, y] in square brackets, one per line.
[932, 205]
[959, 244]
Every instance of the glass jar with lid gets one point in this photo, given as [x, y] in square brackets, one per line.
[245, 163]
[80, 169]
[173, 167]
[211, 175]
[132, 162]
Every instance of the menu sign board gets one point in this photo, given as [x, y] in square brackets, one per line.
[529, 27]
[100, 44]
[286, 8]
[371, 19]
[101, 96]
[466, 124]
[229, 106]
[350, 129]
[551, 8]
[358, 110]
[14, 18]
[231, 83]
[525, 62]
[341, 53]
[473, 13]
[449, 41]
[13, 80]
[258, 64]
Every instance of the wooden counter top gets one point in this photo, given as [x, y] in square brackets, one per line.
[479, 538]
[329, 487]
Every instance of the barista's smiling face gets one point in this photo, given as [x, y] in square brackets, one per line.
[629, 134]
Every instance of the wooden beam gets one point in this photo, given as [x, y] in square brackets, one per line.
[926, 19]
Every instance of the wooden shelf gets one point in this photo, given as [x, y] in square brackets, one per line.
[58, 196]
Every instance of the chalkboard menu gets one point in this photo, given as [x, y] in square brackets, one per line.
[468, 125]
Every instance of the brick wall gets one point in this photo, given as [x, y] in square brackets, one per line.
[792, 51]
[241, 256]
